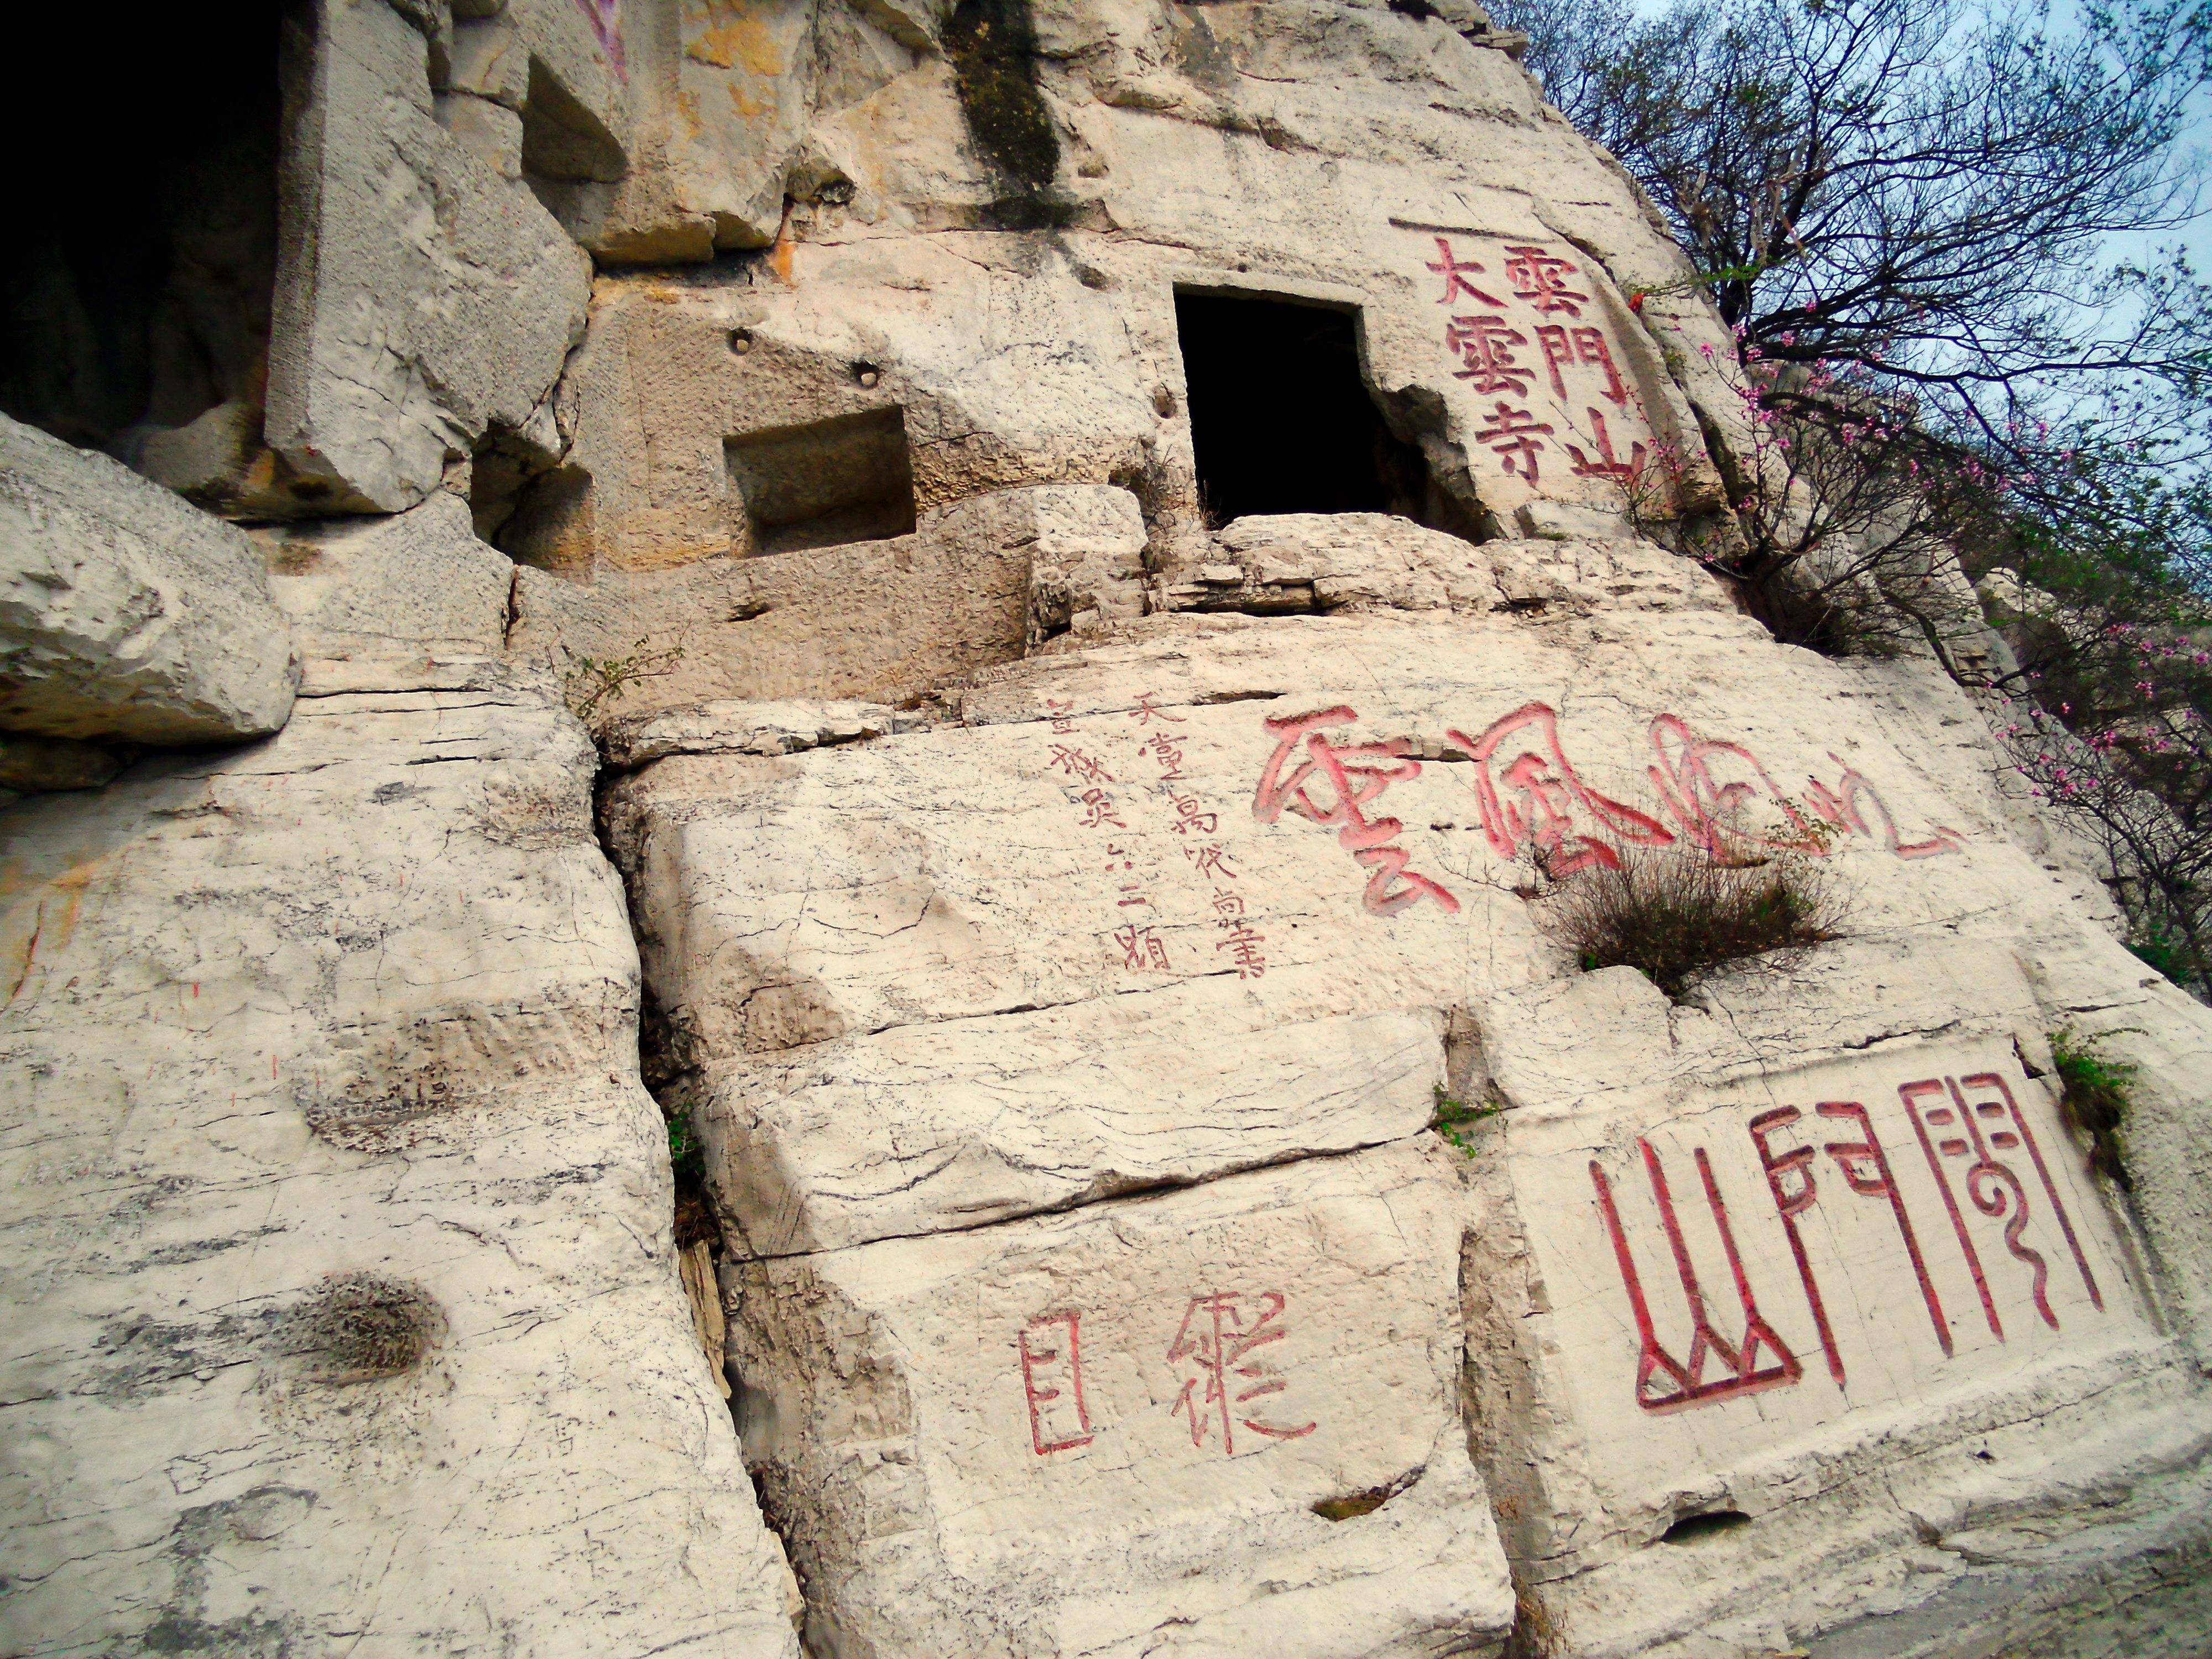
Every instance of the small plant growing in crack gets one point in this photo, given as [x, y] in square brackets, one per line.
[595, 682]
[2094, 1093]
[1677, 916]
[684, 1152]
[1454, 1118]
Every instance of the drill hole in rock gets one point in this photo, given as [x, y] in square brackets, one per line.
[1695, 1528]
[849, 478]
[1281, 420]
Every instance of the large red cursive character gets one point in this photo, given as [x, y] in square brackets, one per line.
[1356, 774]
[1542, 796]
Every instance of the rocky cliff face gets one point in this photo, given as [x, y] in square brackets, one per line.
[1043, 589]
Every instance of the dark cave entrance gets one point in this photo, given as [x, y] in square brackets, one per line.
[1281, 420]
[138, 298]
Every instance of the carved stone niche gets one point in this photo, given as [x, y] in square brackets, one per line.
[822, 483]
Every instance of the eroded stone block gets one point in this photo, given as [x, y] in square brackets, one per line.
[410, 601]
[422, 298]
[1203, 1423]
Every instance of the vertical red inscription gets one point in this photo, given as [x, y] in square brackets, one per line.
[1790, 1201]
[1865, 1168]
[1685, 1383]
[1069, 1425]
[1214, 1345]
[1357, 774]
[1991, 1187]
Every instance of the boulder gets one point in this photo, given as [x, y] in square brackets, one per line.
[127, 614]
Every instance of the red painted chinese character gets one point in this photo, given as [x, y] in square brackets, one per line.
[1216, 1346]
[1062, 714]
[1070, 1419]
[1849, 804]
[1146, 713]
[1542, 799]
[1591, 349]
[1486, 345]
[1559, 353]
[1511, 437]
[1211, 859]
[1541, 279]
[1141, 948]
[1865, 1169]
[1453, 271]
[1077, 765]
[1353, 781]
[1097, 809]
[1167, 753]
[1607, 466]
[1684, 1381]
[1979, 1130]
[1243, 944]
[1692, 775]
[1585, 345]
[1189, 817]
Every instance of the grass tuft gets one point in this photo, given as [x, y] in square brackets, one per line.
[1454, 1119]
[1676, 916]
[2094, 1095]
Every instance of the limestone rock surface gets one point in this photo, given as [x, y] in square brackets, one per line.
[1230, 904]
[1185, 1424]
[903, 327]
[414, 601]
[422, 298]
[880, 620]
[345, 1309]
[125, 613]
[874, 1007]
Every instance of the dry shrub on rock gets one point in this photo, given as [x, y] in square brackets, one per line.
[1676, 916]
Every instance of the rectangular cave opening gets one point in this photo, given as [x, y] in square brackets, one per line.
[135, 311]
[1281, 419]
[849, 478]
